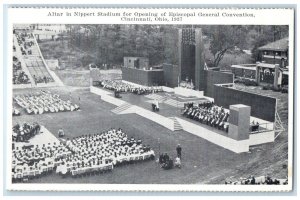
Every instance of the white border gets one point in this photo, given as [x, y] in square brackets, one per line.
[263, 17]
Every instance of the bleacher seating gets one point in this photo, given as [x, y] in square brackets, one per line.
[32, 57]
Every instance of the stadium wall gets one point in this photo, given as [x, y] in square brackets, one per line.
[171, 73]
[143, 77]
[215, 77]
[262, 107]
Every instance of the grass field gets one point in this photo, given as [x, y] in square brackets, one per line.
[203, 162]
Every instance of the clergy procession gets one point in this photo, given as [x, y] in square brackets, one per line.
[44, 102]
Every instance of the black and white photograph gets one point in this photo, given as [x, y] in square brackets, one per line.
[157, 104]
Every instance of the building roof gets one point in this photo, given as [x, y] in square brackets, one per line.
[249, 67]
[278, 45]
[266, 65]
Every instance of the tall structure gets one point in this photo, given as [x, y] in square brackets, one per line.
[191, 57]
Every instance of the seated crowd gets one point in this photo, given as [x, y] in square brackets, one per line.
[24, 132]
[83, 155]
[19, 76]
[260, 180]
[44, 102]
[126, 87]
[36, 160]
[208, 113]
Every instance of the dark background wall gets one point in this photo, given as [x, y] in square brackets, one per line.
[188, 62]
[215, 77]
[171, 73]
[262, 107]
[143, 77]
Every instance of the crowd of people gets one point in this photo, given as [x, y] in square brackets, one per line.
[118, 85]
[83, 155]
[35, 161]
[209, 114]
[44, 102]
[260, 180]
[24, 45]
[24, 132]
[42, 79]
[19, 76]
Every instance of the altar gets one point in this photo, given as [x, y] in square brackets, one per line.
[188, 92]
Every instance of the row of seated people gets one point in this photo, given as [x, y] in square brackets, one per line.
[204, 104]
[24, 132]
[126, 87]
[213, 116]
[260, 180]
[44, 102]
[15, 112]
[19, 76]
[35, 161]
[42, 79]
[87, 154]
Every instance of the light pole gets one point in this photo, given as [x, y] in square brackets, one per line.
[158, 140]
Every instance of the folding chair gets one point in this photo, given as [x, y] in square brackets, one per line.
[44, 170]
[37, 173]
[13, 177]
[131, 160]
[19, 176]
[74, 173]
[140, 158]
[31, 174]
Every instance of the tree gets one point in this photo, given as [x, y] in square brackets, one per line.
[224, 38]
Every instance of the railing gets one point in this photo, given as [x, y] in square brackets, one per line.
[259, 128]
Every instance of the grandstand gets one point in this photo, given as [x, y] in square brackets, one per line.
[32, 61]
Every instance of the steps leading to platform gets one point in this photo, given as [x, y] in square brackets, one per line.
[177, 125]
[121, 108]
[174, 103]
[158, 97]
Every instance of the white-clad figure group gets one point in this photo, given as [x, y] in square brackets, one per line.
[44, 102]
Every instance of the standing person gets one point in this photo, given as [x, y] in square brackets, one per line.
[178, 150]
[61, 133]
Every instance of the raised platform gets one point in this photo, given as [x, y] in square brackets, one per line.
[188, 92]
[169, 116]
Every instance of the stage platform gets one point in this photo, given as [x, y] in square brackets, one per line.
[170, 117]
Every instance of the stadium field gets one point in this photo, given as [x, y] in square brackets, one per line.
[202, 161]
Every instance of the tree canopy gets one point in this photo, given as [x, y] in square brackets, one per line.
[110, 43]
